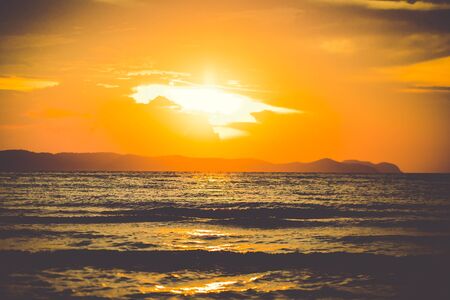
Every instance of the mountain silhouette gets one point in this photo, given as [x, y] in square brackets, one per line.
[22, 160]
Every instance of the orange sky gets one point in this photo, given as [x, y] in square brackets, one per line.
[275, 80]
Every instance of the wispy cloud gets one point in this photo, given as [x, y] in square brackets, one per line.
[107, 85]
[427, 89]
[25, 84]
[174, 74]
[338, 46]
[14, 42]
[432, 73]
[231, 85]
[393, 4]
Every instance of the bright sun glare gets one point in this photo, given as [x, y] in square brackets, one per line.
[222, 108]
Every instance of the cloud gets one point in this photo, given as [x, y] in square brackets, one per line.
[34, 16]
[394, 4]
[158, 72]
[338, 46]
[427, 89]
[221, 108]
[25, 84]
[107, 85]
[228, 133]
[120, 2]
[378, 36]
[15, 42]
[432, 73]
[358, 18]
[436, 88]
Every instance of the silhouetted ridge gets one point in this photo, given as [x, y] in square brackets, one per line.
[21, 160]
[382, 167]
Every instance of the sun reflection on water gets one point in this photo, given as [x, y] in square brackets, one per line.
[207, 233]
[209, 287]
[214, 284]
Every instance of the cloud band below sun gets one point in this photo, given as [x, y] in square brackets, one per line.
[221, 108]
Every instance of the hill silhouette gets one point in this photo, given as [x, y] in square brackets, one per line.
[22, 160]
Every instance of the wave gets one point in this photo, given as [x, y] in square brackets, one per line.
[161, 261]
[39, 233]
[267, 220]
[439, 241]
[61, 274]
[227, 209]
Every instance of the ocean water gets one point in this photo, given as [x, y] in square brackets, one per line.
[145, 235]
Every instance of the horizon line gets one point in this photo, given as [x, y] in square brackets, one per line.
[203, 157]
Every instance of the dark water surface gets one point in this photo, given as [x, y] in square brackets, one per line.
[233, 235]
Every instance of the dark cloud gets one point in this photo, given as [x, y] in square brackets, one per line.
[35, 16]
[422, 33]
[434, 88]
[398, 21]
[432, 1]
[316, 18]
[23, 16]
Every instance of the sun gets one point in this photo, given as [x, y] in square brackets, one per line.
[221, 107]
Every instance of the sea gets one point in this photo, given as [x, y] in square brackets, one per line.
[171, 235]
